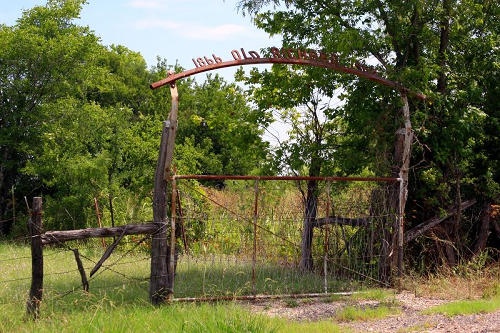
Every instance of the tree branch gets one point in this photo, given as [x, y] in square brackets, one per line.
[425, 226]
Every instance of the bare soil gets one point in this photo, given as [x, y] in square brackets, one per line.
[410, 319]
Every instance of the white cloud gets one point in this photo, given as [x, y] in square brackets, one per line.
[197, 32]
[147, 4]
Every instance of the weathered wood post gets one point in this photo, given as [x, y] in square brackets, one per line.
[35, 230]
[391, 260]
[404, 154]
[160, 284]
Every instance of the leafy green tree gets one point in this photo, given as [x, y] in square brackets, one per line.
[40, 58]
[79, 121]
[446, 49]
[215, 114]
[316, 130]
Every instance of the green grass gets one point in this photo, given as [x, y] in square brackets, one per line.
[229, 275]
[476, 306]
[374, 294]
[381, 295]
[116, 304]
[352, 313]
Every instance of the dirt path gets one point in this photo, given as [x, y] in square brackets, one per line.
[410, 319]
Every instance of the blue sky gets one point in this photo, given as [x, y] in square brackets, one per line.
[177, 30]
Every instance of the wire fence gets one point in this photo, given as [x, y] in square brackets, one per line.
[247, 238]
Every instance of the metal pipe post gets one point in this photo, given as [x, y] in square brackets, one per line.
[255, 216]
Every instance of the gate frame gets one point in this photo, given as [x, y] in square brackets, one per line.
[162, 253]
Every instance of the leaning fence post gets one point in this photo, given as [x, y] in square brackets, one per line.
[158, 285]
[35, 230]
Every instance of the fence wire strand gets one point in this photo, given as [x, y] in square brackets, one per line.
[218, 223]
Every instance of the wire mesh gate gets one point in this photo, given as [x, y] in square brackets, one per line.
[245, 238]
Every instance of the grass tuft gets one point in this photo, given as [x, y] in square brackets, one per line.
[291, 303]
[352, 313]
[466, 307]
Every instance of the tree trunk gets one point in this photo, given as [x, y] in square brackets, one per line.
[310, 210]
[484, 229]
[398, 194]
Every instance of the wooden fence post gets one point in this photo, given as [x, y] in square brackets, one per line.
[98, 214]
[35, 229]
[160, 281]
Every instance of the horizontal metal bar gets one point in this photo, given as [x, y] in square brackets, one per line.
[237, 177]
[258, 297]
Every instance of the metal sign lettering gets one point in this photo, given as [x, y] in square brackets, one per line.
[283, 56]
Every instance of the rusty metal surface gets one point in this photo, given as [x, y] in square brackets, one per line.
[233, 177]
[325, 241]
[284, 56]
[255, 217]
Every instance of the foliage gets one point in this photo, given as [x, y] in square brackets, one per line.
[215, 117]
[41, 57]
[80, 122]
[446, 49]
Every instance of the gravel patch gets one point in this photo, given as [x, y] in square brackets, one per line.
[409, 320]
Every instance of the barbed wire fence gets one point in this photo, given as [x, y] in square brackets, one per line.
[61, 273]
[244, 241]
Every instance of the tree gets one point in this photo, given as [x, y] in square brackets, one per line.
[40, 58]
[79, 121]
[446, 49]
[215, 114]
[290, 94]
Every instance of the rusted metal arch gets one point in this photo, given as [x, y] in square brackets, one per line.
[369, 75]
[324, 62]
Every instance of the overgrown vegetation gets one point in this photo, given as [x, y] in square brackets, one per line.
[447, 50]
[117, 303]
[465, 281]
[78, 121]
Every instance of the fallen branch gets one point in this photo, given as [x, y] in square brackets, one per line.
[107, 253]
[85, 282]
[67, 235]
[425, 226]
